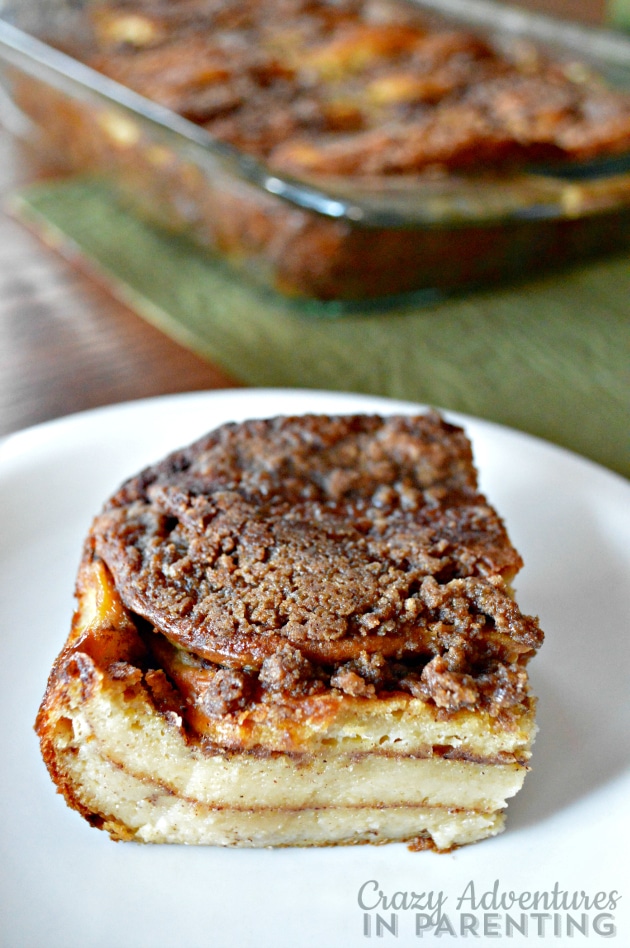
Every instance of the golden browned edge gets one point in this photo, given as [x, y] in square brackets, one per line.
[104, 641]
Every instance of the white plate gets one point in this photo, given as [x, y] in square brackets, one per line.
[64, 884]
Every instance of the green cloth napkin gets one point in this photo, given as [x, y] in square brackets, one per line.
[618, 14]
[550, 356]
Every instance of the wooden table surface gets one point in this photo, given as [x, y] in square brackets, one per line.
[65, 343]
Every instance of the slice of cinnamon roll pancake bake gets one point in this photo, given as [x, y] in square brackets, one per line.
[298, 631]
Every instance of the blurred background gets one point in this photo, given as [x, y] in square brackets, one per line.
[72, 339]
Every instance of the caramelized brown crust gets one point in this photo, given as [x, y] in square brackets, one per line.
[356, 87]
[292, 556]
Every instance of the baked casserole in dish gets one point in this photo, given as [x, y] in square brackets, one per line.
[353, 150]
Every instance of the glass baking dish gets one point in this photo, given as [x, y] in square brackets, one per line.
[321, 239]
